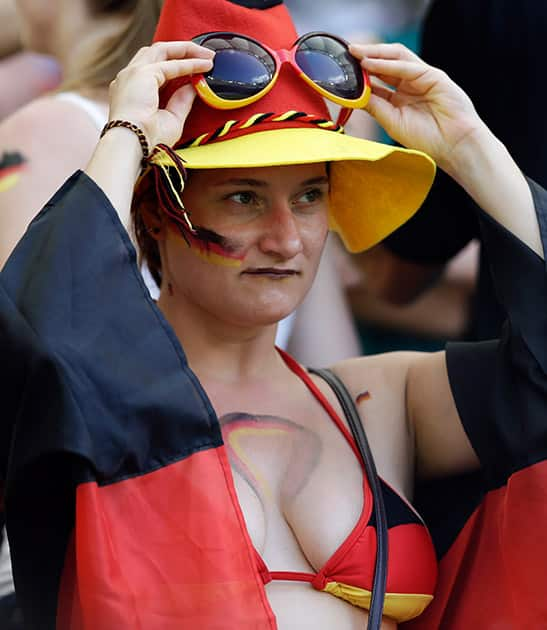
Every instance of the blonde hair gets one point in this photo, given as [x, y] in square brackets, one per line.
[116, 51]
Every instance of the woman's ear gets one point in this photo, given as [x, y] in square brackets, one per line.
[155, 224]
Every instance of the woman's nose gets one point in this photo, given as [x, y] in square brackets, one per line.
[281, 233]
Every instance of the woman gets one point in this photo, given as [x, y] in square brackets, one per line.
[216, 487]
[52, 136]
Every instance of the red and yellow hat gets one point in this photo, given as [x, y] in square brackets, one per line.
[374, 187]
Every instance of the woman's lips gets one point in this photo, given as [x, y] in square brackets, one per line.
[271, 272]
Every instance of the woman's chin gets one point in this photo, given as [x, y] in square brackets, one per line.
[264, 317]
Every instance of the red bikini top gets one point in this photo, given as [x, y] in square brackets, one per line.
[349, 572]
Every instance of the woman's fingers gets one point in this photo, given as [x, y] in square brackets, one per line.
[175, 68]
[162, 51]
[181, 101]
[393, 71]
[379, 106]
[382, 92]
[140, 76]
[382, 51]
[391, 63]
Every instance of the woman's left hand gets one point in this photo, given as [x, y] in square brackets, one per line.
[419, 106]
[422, 108]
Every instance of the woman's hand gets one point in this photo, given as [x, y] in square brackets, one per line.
[134, 94]
[419, 106]
[422, 108]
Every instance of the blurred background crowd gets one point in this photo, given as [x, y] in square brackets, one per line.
[427, 284]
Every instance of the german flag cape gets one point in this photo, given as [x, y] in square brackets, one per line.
[493, 547]
[120, 505]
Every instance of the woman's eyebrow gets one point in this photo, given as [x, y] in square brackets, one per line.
[323, 179]
[242, 182]
[257, 183]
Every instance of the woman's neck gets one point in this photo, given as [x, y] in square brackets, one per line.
[217, 350]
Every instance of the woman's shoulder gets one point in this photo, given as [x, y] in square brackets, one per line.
[50, 122]
[386, 370]
[48, 139]
[41, 145]
[378, 387]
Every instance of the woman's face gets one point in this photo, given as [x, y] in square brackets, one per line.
[274, 221]
[36, 20]
[44, 25]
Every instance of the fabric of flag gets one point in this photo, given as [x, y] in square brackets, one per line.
[120, 504]
[119, 500]
[493, 558]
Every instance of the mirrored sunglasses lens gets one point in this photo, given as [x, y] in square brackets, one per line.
[241, 68]
[328, 63]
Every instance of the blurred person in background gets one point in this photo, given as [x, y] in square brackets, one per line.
[23, 75]
[379, 20]
[503, 45]
[45, 141]
[9, 37]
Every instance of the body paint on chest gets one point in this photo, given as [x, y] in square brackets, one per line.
[236, 427]
[362, 397]
[11, 166]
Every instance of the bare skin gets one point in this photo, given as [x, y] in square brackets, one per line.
[225, 316]
[54, 137]
[289, 490]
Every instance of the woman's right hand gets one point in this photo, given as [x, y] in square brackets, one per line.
[135, 97]
[134, 94]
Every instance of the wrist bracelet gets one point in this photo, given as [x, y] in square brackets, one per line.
[137, 130]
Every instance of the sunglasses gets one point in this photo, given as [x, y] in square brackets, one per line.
[244, 70]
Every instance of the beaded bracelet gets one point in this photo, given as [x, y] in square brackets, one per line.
[132, 127]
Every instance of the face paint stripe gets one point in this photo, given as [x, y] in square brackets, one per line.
[213, 252]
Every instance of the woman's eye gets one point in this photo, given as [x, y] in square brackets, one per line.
[244, 198]
[311, 196]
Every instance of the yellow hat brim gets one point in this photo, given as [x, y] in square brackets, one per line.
[374, 187]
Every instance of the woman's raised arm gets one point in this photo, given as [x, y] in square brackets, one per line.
[476, 401]
[134, 97]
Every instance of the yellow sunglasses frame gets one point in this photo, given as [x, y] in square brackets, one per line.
[281, 57]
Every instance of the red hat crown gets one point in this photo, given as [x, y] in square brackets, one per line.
[269, 22]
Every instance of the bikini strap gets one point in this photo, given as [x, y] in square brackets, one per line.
[359, 435]
[304, 376]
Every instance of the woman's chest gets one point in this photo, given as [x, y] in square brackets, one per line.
[299, 485]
